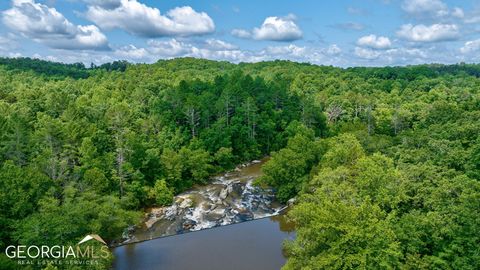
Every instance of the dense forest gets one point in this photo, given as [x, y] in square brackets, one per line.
[383, 163]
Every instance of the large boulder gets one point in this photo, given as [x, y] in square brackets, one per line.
[224, 193]
[237, 189]
[186, 203]
[216, 214]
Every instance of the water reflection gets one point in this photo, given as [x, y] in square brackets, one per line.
[285, 225]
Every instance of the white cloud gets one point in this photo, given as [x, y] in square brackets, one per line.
[86, 57]
[471, 46]
[366, 53]
[217, 44]
[225, 55]
[374, 42]
[391, 56]
[168, 48]
[131, 52]
[329, 55]
[220, 50]
[46, 25]
[15, 55]
[273, 29]
[241, 33]
[292, 50]
[458, 13]
[432, 33]
[160, 49]
[472, 20]
[435, 8]
[334, 50]
[431, 9]
[142, 20]
[318, 55]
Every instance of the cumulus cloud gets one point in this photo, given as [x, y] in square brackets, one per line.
[430, 9]
[132, 52]
[273, 29]
[86, 57]
[291, 49]
[329, 55]
[168, 48]
[160, 49]
[391, 56]
[471, 46]
[366, 53]
[141, 20]
[46, 25]
[374, 42]
[434, 8]
[432, 33]
[217, 44]
[220, 50]
[334, 50]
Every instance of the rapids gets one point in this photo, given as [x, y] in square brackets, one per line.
[227, 199]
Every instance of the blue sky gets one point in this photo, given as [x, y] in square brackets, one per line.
[341, 33]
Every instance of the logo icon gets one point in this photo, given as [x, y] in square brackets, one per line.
[95, 237]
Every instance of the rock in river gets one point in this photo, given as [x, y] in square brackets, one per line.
[243, 214]
[188, 224]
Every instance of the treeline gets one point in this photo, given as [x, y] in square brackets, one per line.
[54, 70]
[411, 73]
[385, 167]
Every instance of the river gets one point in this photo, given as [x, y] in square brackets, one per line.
[205, 228]
[249, 245]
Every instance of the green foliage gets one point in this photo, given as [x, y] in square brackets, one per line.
[396, 186]
[389, 188]
[344, 150]
[384, 161]
[370, 215]
[78, 215]
[45, 68]
[161, 193]
[287, 168]
[225, 158]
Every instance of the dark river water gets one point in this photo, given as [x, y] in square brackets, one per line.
[249, 245]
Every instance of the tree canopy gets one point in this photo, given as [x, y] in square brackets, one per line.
[384, 162]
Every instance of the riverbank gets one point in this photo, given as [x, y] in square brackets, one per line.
[230, 198]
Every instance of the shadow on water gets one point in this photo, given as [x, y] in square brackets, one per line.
[254, 244]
